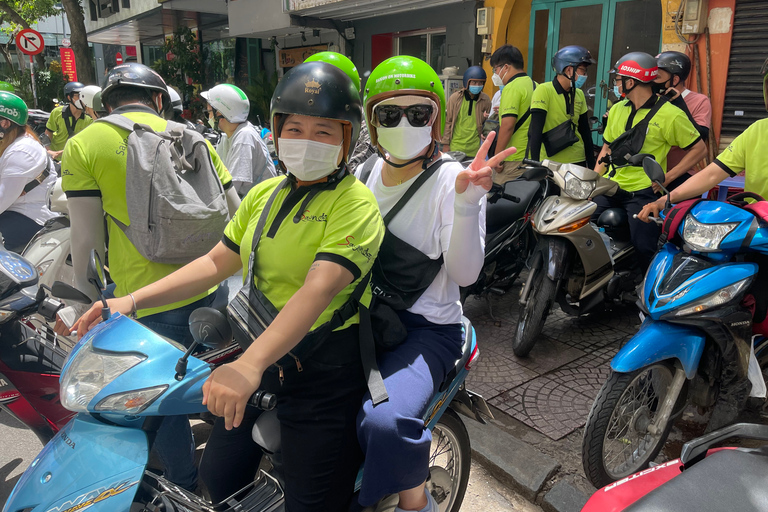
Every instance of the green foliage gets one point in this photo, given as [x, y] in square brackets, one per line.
[185, 66]
[260, 96]
[31, 11]
[49, 83]
[220, 62]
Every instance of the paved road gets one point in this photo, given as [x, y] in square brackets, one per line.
[19, 447]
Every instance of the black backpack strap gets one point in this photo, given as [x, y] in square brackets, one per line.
[368, 356]
[66, 115]
[39, 179]
[432, 169]
[520, 122]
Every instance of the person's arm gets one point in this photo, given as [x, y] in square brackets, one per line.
[692, 156]
[86, 218]
[450, 118]
[536, 132]
[586, 136]
[233, 200]
[11, 188]
[506, 128]
[600, 166]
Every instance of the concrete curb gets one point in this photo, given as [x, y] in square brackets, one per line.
[523, 468]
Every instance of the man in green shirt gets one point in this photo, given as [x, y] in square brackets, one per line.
[515, 108]
[466, 112]
[67, 120]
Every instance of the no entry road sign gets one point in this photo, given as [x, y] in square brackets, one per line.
[30, 41]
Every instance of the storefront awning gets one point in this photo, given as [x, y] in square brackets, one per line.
[150, 27]
[349, 10]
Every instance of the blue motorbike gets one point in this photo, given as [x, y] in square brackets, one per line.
[694, 325]
[122, 379]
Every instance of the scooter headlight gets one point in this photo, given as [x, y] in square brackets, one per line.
[718, 298]
[577, 188]
[705, 237]
[90, 371]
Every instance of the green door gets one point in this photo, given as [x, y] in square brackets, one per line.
[608, 28]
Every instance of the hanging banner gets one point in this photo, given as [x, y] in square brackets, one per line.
[68, 66]
[294, 56]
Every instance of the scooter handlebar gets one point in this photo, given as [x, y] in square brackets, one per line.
[263, 400]
[657, 220]
[534, 163]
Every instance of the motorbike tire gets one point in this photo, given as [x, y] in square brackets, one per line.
[608, 402]
[450, 435]
[541, 298]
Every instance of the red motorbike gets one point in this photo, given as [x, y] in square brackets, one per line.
[704, 479]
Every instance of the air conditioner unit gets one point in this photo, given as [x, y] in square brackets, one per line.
[107, 8]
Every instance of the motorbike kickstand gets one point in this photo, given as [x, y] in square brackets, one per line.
[490, 308]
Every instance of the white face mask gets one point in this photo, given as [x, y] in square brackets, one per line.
[404, 141]
[309, 160]
[497, 81]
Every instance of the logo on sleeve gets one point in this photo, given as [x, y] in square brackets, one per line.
[363, 251]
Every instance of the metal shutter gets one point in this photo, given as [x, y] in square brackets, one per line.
[744, 90]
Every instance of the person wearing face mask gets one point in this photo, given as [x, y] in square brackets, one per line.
[514, 110]
[91, 98]
[434, 212]
[244, 152]
[467, 110]
[674, 68]
[318, 232]
[559, 115]
[666, 126]
[67, 120]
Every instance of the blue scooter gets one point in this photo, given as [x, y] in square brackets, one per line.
[122, 379]
[694, 327]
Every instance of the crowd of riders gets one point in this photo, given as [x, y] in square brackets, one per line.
[364, 215]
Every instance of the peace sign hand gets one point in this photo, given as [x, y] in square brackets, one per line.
[476, 180]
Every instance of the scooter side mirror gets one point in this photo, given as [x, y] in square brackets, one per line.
[638, 159]
[535, 174]
[95, 272]
[64, 291]
[210, 328]
[653, 170]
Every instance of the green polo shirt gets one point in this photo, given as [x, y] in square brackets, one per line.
[669, 127]
[551, 98]
[465, 137]
[57, 124]
[516, 101]
[94, 164]
[749, 152]
[342, 225]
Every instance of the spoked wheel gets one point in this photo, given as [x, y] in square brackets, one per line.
[617, 442]
[449, 462]
[541, 297]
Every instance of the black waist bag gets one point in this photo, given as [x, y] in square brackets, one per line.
[559, 138]
[631, 142]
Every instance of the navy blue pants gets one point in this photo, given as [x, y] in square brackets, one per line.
[392, 434]
[17, 230]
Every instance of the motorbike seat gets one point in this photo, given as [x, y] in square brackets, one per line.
[725, 480]
[501, 214]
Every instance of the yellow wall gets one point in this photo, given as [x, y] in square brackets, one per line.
[511, 25]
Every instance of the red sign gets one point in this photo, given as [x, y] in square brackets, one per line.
[30, 42]
[68, 66]
[118, 58]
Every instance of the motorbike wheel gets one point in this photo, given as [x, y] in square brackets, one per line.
[616, 441]
[449, 462]
[540, 300]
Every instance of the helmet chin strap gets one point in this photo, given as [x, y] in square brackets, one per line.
[426, 158]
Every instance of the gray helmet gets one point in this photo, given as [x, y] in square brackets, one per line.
[72, 88]
[571, 56]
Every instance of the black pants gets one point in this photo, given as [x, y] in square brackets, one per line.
[317, 409]
[645, 236]
[17, 230]
[678, 181]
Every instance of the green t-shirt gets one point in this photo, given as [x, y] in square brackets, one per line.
[94, 164]
[342, 225]
[749, 152]
[669, 127]
[547, 98]
[58, 126]
[465, 137]
[516, 101]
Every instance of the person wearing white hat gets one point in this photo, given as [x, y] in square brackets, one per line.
[91, 98]
[244, 152]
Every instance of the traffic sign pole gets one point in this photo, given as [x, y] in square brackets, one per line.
[32, 74]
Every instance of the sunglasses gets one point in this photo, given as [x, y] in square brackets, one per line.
[390, 116]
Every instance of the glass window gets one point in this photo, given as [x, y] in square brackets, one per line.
[540, 40]
[415, 46]
[219, 61]
[427, 45]
[577, 26]
[637, 28]
[437, 52]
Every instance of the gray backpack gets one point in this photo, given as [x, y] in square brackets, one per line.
[176, 204]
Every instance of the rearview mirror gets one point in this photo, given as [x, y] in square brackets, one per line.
[64, 291]
[653, 170]
[535, 174]
[95, 272]
[637, 160]
[210, 328]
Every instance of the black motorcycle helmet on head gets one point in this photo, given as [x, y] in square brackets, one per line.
[676, 64]
[138, 76]
[72, 88]
[318, 89]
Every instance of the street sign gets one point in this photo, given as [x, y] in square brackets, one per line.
[118, 58]
[30, 42]
[66, 43]
[68, 65]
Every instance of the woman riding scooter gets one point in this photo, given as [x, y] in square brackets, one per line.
[25, 176]
[319, 241]
[434, 211]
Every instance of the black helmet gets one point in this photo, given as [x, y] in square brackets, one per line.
[474, 73]
[318, 89]
[638, 65]
[135, 75]
[674, 63]
[72, 88]
[571, 56]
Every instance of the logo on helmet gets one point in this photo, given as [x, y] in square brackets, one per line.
[9, 111]
[312, 87]
[630, 69]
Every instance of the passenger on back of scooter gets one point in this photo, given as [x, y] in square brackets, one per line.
[67, 120]
[434, 243]
[26, 175]
[91, 98]
[242, 150]
[559, 114]
[320, 239]
[667, 126]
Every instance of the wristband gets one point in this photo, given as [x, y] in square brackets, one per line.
[133, 312]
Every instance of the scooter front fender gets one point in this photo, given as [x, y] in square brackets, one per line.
[88, 465]
[660, 341]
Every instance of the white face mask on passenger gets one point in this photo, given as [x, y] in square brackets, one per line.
[404, 141]
[308, 160]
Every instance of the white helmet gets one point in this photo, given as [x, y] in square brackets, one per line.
[230, 100]
[87, 95]
[176, 100]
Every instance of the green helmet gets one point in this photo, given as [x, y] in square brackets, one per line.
[5, 86]
[400, 76]
[340, 61]
[13, 108]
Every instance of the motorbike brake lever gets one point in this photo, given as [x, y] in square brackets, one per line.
[657, 220]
